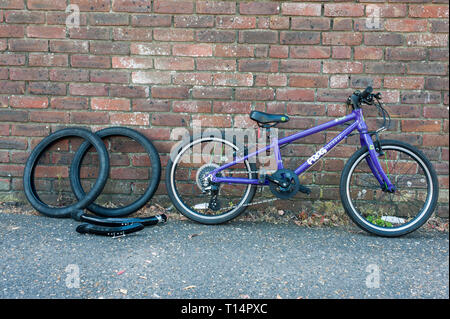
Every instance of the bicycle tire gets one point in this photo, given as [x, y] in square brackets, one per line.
[144, 198]
[367, 226]
[83, 201]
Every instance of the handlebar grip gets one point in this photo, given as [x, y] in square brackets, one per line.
[366, 92]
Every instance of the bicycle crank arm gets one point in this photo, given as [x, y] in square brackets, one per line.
[109, 231]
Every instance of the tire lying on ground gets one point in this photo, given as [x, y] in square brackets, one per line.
[152, 185]
[83, 201]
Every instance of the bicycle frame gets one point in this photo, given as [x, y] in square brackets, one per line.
[365, 140]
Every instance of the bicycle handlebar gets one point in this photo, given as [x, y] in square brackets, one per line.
[366, 92]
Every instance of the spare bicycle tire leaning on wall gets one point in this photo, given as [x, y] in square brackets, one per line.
[104, 225]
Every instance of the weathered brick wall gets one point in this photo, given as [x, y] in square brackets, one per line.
[156, 65]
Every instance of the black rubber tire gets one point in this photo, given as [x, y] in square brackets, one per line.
[372, 229]
[109, 231]
[212, 220]
[142, 200]
[83, 201]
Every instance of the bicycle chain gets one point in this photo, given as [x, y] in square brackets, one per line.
[249, 204]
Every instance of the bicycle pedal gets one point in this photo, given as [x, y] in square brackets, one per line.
[304, 189]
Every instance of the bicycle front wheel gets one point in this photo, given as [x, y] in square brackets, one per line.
[383, 213]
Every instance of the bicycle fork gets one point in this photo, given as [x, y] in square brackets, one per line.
[373, 160]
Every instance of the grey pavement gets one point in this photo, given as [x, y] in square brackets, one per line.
[42, 257]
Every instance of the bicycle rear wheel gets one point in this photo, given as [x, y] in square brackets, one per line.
[383, 213]
[188, 170]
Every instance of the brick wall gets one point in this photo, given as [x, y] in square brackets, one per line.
[156, 65]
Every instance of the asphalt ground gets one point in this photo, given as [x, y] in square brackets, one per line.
[41, 257]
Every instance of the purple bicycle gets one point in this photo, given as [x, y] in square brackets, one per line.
[387, 187]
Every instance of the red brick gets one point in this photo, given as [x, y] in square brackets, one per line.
[258, 65]
[405, 25]
[129, 119]
[194, 106]
[12, 59]
[337, 38]
[47, 88]
[49, 117]
[174, 63]
[307, 81]
[344, 10]
[35, 74]
[421, 97]
[59, 5]
[342, 67]
[310, 24]
[69, 46]
[151, 77]
[69, 75]
[46, 32]
[176, 120]
[25, 17]
[420, 125]
[427, 40]
[38, 59]
[237, 22]
[88, 89]
[150, 49]
[300, 66]
[405, 54]
[213, 120]
[170, 92]
[232, 50]
[212, 93]
[89, 118]
[132, 91]
[428, 11]
[12, 4]
[12, 31]
[145, 20]
[215, 36]
[192, 78]
[131, 6]
[232, 107]
[206, 64]
[29, 45]
[192, 49]
[91, 33]
[255, 94]
[294, 37]
[173, 6]
[259, 8]
[12, 87]
[411, 83]
[132, 34]
[305, 52]
[173, 35]
[90, 61]
[193, 21]
[106, 104]
[368, 53]
[151, 105]
[132, 62]
[108, 19]
[301, 9]
[289, 94]
[233, 79]
[28, 102]
[215, 7]
[69, 103]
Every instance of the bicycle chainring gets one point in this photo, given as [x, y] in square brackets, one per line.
[284, 175]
